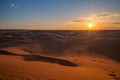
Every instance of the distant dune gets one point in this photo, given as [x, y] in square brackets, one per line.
[59, 55]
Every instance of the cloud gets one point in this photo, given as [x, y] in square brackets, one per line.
[115, 23]
[97, 17]
[104, 15]
[78, 20]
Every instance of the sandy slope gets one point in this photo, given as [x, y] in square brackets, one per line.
[14, 67]
[16, 50]
[59, 55]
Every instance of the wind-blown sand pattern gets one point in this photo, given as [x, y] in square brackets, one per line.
[59, 55]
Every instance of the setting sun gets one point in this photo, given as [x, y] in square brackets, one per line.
[90, 25]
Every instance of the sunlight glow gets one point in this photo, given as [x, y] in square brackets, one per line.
[90, 25]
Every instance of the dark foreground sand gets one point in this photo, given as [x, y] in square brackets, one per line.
[59, 55]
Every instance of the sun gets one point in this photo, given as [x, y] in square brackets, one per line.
[90, 25]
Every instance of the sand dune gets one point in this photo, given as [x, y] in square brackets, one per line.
[40, 58]
[16, 68]
[59, 55]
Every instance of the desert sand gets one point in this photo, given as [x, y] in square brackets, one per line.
[59, 55]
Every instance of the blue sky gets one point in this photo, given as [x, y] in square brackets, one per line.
[55, 14]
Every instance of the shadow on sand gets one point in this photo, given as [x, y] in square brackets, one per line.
[41, 58]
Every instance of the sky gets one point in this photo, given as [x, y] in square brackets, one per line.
[60, 14]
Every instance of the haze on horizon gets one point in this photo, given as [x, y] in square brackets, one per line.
[60, 14]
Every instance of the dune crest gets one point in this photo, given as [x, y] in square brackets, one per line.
[40, 58]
